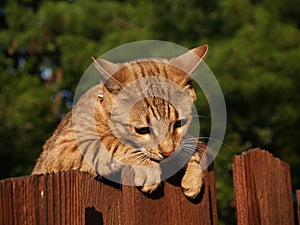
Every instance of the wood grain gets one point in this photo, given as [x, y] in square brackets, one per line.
[298, 205]
[263, 189]
[76, 198]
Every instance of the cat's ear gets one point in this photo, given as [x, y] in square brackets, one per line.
[189, 61]
[108, 69]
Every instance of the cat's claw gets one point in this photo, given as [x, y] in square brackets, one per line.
[191, 183]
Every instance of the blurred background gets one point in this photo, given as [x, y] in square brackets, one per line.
[45, 46]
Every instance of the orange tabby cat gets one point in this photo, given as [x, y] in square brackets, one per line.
[140, 125]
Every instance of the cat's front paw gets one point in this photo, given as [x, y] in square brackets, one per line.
[147, 178]
[192, 182]
[149, 188]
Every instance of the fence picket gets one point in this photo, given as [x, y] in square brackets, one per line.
[263, 190]
[298, 205]
[76, 198]
[262, 184]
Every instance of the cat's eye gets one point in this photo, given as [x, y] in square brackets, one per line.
[142, 130]
[180, 123]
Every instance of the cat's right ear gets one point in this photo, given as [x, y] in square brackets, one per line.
[189, 61]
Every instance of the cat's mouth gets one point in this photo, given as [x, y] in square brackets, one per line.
[154, 156]
[158, 157]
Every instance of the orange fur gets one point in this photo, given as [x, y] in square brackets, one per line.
[155, 128]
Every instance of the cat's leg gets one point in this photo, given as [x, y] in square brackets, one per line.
[146, 173]
[192, 180]
[148, 177]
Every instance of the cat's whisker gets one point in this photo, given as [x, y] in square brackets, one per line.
[193, 139]
[117, 126]
[132, 164]
[193, 148]
[216, 140]
[160, 155]
[190, 145]
[187, 152]
[127, 151]
[137, 157]
[139, 160]
[137, 154]
[201, 116]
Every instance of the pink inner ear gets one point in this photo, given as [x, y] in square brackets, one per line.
[201, 51]
[189, 61]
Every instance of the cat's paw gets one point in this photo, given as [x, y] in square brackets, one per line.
[149, 188]
[192, 182]
[147, 178]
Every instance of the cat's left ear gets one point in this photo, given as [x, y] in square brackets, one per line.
[189, 61]
[111, 79]
[106, 68]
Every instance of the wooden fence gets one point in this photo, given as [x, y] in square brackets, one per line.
[263, 189]
[262, 184]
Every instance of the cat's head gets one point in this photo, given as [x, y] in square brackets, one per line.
[149, 101]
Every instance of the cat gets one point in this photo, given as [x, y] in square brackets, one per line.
[141, 133]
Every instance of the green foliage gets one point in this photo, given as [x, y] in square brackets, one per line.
[23, 102]
[254, 53]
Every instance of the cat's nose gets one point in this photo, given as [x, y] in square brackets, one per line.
[166, 154]
[166, 149]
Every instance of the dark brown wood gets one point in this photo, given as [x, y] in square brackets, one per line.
[212, 195]
[76, 198]
[263, 190]
[7, 202]
[262, 183]
[168, 205]
[298, 205]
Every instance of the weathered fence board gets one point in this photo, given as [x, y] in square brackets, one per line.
[173, 208]
[76, 198]
[298, 205]
[263, 190]
[262, 184]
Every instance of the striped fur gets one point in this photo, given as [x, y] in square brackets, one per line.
[99, 135]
